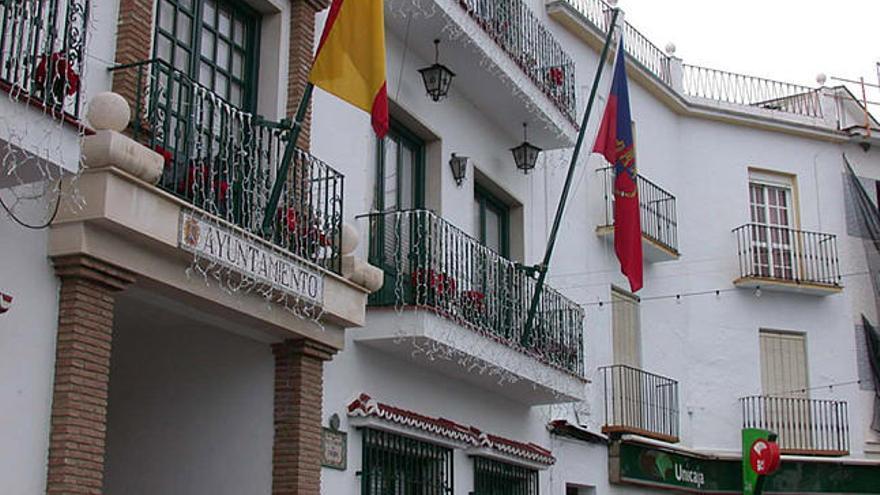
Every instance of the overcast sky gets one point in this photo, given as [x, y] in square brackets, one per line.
[788, 40]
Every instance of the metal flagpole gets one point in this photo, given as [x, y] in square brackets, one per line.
[542, 268]
[281, 175]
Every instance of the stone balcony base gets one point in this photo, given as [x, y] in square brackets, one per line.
[431, 341]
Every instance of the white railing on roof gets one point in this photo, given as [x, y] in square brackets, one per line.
[740, 89]
[638, 47]
[703, 82]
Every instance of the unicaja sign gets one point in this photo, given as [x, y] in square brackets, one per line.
[693, 477]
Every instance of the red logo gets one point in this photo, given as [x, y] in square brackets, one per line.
[764, 456]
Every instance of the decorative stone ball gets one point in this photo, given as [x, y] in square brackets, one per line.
[821, 78]
[670, 49]
[109, 111]
[350, 238]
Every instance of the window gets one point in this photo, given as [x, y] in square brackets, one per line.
[491, 221]
[499, 478]
[626, 328]
[213, 42]
[398, 465]
[772, 217]
[399, 181]
[579, 490]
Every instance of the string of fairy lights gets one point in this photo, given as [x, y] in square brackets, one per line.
[33, 188]
[679, 296]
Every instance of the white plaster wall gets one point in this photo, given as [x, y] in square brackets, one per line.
[27, 357]
[191, 407]
[708, 343]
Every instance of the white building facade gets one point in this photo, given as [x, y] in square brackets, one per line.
[758, 266]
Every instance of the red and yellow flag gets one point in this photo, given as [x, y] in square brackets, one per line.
[350, 62]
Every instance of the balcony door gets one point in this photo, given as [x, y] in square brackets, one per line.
[784, 381]
[627, 408]
[398, 241]
[213, 42]
[772, 237]
[400, 171]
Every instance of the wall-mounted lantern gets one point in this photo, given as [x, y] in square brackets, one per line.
[458, 164]
[438, 77]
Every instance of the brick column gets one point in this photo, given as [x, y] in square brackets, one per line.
[134, 43]
[299, 387]
[302, 44]
[82, 373]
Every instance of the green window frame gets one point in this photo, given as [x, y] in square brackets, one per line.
[485, 203]
[398, 465]
[214, 42]
[493, 477]
[398, 144]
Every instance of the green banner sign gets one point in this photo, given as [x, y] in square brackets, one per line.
[643, 465]
[640, 464]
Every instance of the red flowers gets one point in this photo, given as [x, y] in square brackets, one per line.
[201, 175]
[557, 76]
[302, 234]
[64, 78]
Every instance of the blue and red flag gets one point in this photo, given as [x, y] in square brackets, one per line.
[615, 143]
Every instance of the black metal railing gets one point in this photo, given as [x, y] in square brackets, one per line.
[223, 160]
[804, 426]
[782, 253]
[638, 46]
[741, 89]
[430, 263]
[640, 402]
[493, 477]
[525, 38]
[656, 209]
[397, 464]
[42, 45]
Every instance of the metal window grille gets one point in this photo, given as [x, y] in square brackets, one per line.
[499, 478]
[398, 465]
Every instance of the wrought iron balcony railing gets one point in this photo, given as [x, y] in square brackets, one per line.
[41, 52]
[656, 206]
[740, 89]
[522, 35]
[804, 426]
[638, 46]
[640, 402]
[779, 253]
[223, 160]
[432, 264]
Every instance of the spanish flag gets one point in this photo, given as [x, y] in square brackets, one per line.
[350, 62]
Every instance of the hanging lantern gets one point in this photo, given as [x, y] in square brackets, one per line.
[438, 77]
[526, 154]
[458, 164]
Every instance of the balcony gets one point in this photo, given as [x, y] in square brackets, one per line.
[222, 161]
[804, 426]
[640, 403]
[41, 66]
[463, 301]
[657, 216]
[785, 259]
[492, 45]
